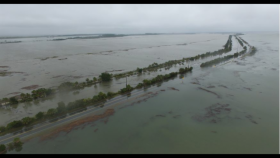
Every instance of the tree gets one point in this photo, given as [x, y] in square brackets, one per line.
[48, 91]
[126, 89]
[102, 95]
[5, 99]
[110, 94]
[146, 82]
[26, 120]
[66, 86]
[39, 115]
[87, 79]
[181, 70]
[51, 112]
[61, 107]
[139, 70]
[2, 147]
[18, 149]
[13, 100]
[129, 88]
[140, 85]
[22, 95]
[17, 142]
[2, 129]
[33, 94]
[10, 146]
[105, 76]
[94, 79]
[28, 97]
[14, 124]
[95, 98]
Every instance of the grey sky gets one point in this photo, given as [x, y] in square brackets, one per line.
[26, 19]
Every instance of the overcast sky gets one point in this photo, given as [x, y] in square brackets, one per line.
[47, 19]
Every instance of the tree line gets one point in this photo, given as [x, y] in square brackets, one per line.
[239, 41]
[69, 86]
[228, 57]
[63, 109]
[15, 145]
[26, 97]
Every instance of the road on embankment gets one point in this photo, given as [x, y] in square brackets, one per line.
[69, 117]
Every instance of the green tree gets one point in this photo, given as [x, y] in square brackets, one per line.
[34, 94]
[94, 79]
[2, 147]
[10, 146]
[181, 70]
[51, 112]
[105, 76]
[129, 88]
[110, 94]
[13, 100]
[48, 91]
[140, 85]
[86, 101]
[5, 99]
[139, 70]
[146, 82]
[61, 107]
[66, 86]
[95, 98]
[17, 142]
[28, 97]
[87, 80]
[39, 115]
[23, 96]
[2, 129]
[26, 120]
[102, 95]
[18, 149]
[14, 124]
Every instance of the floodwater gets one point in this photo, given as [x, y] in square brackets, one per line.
[88, 58]
[39, 62]
[232, 108]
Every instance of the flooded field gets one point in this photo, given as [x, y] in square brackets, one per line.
[229, 108]
[39, 65]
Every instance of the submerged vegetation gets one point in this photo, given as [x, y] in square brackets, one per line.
[26, 97]
[105, 76]
[252, 50]
[222, 59]
[168, 64]
[244, 41]
[10, 42]
[90, 37]
[69, 86]
[16, 144]
[63, 109]
[240, 42]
